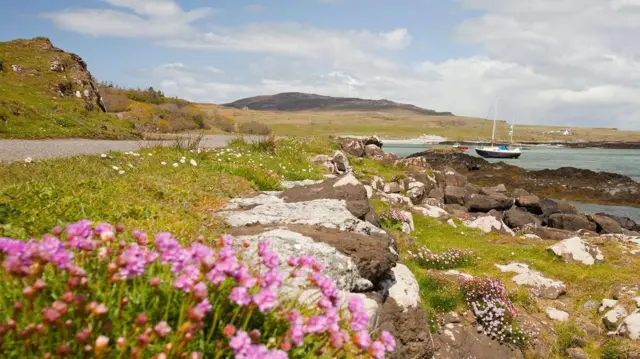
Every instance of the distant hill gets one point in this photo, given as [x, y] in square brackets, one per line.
[296, 101]
[47, 92]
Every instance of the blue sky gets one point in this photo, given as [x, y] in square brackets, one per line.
[569, 62]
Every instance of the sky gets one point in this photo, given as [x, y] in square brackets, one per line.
[559, 62]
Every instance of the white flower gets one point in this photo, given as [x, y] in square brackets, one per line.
[130, 165]
[193, 162]
[163, 163]
[104, 155]
[115, 168]
[149, 154]
[28, 160]
[175, 165]
[121, 172]
[183, 160]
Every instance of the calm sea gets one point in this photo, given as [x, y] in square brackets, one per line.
[626, 162]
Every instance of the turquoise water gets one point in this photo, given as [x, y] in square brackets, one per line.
[626, 162]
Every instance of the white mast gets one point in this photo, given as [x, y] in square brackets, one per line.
[513, 127]
[495, 114]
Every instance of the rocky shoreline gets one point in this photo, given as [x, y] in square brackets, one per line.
[619, 145]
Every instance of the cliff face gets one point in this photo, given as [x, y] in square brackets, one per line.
[47, 92]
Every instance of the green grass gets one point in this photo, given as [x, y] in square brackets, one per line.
[38, 196]
[30, 106]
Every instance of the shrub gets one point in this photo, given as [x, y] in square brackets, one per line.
[488, 300]
[224, 124]
[451, 258]
[254, 128]
[115, 103]
[98, 293]
[394, 219]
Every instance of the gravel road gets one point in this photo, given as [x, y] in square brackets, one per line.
[18, 150]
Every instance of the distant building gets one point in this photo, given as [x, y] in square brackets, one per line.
[567, 132]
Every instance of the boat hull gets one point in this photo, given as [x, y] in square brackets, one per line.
[497, 154]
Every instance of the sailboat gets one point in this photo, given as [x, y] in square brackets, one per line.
[501, 151]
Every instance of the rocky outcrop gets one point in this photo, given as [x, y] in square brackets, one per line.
[576, 250]
[557, 315]
[614, 316]
[519, 218]
[605, 224]
[630, 326]
[540, 285]
[570, 222]
[454, 195]
[489, 224]
[529, 202]
[353, 146]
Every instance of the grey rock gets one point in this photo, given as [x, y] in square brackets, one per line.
[341, 162]
[454, 195]
[576, 250]
[541, 286]
[577, 353]
[606, 224]
[352, 146]
[518, 218]
[570, 222]
[613, 317]
[530, 203]
[630, 326]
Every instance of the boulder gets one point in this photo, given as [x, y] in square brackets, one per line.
[341, 162]
[56, 66]
[606, 304]
[436, 193]
[470, 189]
[606, 224]
[393, 187]
[369, 190]
[530, 203]
[630, 326]
[548, 207]
[352, 146]
[432, 202]
[557, 315]
[292, 184]
[565, 207]
[613, 317]
[450, 208]
[416, 192]
[576, 250]
[373, 151]
[489, 224]
[454, 195]
[499, 215]
[405, 291]
[570, 222]
[17, 68]
[484, 203]
[431, 211]
[519, 192]
[462, 340]
[518, 218]
[325, 161]
[449, 177]
[373, 141]
[377, 183]
[395, 199]
[624, 222]
[345, 187]
[501, 188]
[541, 286]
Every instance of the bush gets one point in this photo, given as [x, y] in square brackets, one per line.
[115, 103]
[394, 219]
[451, 258]
[254, 128]
[98, 292]
[488, 300]
[224, 124]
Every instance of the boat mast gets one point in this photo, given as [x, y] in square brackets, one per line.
[513, 127]
[493, 133]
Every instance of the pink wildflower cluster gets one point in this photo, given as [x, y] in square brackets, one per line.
[451, 258]
[394, 216]
[116, 297]
[488, 300]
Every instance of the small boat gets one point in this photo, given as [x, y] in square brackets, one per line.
[460, 147]
[501, 151]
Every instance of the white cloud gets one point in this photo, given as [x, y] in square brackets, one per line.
[549, 61]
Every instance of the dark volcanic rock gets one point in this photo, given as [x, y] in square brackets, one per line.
[459, 161]
[454, 195]
[529, 202]
[410, 329]
[518, 218]
[570, 222]
[580, 177]
[606, 224]
[352, 191]
[372, 140]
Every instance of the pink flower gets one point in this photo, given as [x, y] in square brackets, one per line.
[240, 296]
[316, 324]
[79, 235]
[200, 290]
[162, 329]
[377, 350]
[240, 342]
[204, 306]
[265, 299]
[388, 340]
[363, 340]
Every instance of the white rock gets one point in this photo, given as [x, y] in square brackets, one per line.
[286, 243]
[409, 215]
[348, 179]
[461, 276]
[413, 185]
[431, 211]
[575, 249]
[369, 190]
[531, 236]
[606, 304]
[557, 315]
[263, 198]
[329, 213]
[489, 224]
[377, 183]
[291, 184]
[406, 228]
[637, 300]
[405, 291]
[395, 199]
[452, 223]
[613, 316]
[542, 286]
[630, 326]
